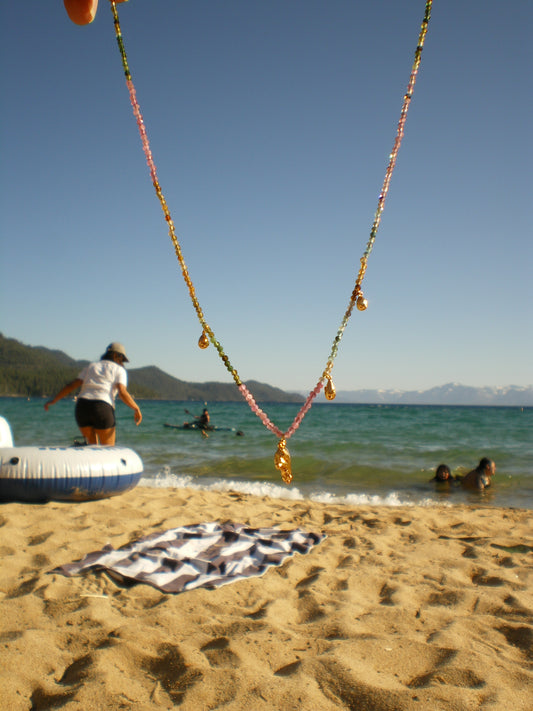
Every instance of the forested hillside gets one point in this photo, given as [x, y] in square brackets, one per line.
[34, 371]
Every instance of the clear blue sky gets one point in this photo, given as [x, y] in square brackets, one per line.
[271, 124]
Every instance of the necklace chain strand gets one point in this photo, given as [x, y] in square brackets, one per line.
[282, 457]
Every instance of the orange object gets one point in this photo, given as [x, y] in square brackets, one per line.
[82, 12]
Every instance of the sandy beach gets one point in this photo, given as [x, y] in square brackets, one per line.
[397, 608]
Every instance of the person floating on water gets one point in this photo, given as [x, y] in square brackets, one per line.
[480, 477]
[443, 475]
[443, 478]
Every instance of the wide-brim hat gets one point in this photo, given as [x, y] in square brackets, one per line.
[116, 347]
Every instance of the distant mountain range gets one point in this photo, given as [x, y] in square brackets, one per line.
[449, 394]
[35, 371]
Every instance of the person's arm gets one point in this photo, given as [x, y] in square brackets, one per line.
[66, 390]
[130, 402]
[483, 481]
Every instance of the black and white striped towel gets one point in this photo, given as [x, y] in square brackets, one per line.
[203, 555]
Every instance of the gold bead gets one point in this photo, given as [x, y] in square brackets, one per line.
[203, 341]
[362, 303]
[329, 390]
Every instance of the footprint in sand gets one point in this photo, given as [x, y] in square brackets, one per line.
[470, 552]
[41, 538]
[288, 669]
[371, 522]
[59, 609]
[83, 522]
[345, 562]
[385, 595]
[73, 676]
[338, 684]
[507, 562]
[443, 672]
[171, 671]
[335, 631]
[40, 561]
[519, 637]
[260, 613]
[518, 548]
[463, 678]
[24, 588]
[515, 610]
[310, 610]
[402, 521]
[312, 575]
[341, 585]
[446, 598]
[493, 581]
[109, 640]
[42, 701]
[76, 672]
[218, 653]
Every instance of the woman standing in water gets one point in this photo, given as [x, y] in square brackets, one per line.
[100, 382]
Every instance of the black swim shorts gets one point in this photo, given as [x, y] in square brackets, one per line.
[94, 413]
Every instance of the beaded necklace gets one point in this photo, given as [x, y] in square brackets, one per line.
[282, 459]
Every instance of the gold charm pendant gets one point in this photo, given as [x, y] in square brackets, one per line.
[282, 460]
[329, 390]
[203, 341]
[362, 303]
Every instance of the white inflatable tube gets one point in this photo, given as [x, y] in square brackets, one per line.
[67, 474]
[64, 473]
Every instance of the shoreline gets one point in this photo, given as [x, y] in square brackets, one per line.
[414, 496]
[399, 607]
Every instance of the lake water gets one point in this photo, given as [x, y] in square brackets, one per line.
[379, 454]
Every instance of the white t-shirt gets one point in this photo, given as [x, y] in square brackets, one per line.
[101, 381]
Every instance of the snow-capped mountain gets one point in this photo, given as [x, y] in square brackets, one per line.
[448, 394]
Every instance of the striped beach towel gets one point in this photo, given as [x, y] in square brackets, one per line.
[203, 555]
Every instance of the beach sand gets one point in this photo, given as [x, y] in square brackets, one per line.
[398, 608]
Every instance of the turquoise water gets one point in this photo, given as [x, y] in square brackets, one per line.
[381, 454]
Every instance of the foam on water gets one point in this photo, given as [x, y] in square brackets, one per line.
[167, 480]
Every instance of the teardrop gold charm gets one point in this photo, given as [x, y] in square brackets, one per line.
[362, 303]
[282, 460]
[203, 341]
[329, 390]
